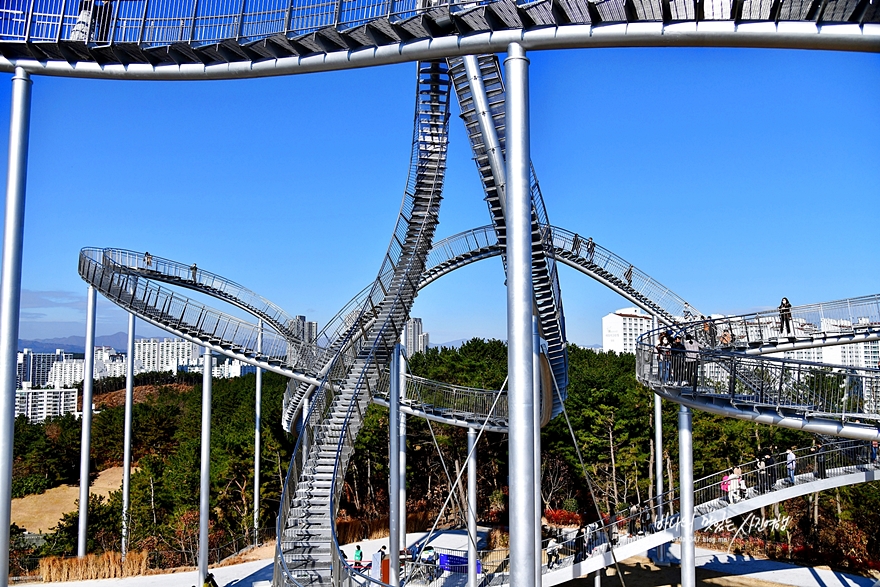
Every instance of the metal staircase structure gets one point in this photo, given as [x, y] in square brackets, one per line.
[307, 553]
[479, 85]
[123, 277]
[224, 39]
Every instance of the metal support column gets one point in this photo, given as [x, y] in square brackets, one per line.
[663, 549]
[86, 438]
[536, 422]
[394, 469]
[686, 491]
[258, 414]
[10, 294]
[205, 481]
[472, 507]
[520, 297]
[126, 459]
[402, 454]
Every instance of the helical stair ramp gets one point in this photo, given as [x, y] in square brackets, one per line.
[307, 552]
[225, 39]
[478, 84]
[123, 278]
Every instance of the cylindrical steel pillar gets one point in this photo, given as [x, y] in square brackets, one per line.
[205, 480]
[394, 469]
[663, 549]
[686, 490]
[10, 294]
[472, 507]
[86, 438]
[536, 422]
[519, 321]
[126, 459]
[402, 451]
[258, 414]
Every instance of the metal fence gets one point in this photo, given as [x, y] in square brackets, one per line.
[806, 388]
[855, 316]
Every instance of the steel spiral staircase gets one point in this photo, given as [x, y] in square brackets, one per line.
[307, 553]
[548, 299]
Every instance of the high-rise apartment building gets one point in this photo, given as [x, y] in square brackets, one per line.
[168, 354]
[39, 404]
[620, 329]
[415, 340]
[32, 369]
[304, 329]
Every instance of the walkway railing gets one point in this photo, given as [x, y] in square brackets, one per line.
[192, 277]
[712, 493]
[799, 387]
[450, 403]
[170, 308]
[812, 322]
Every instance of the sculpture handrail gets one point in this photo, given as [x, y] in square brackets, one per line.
[334, 418]
[452, 404]
[810, 325]
[572, 249]
[729, 381]
[839, 458]
[154, 302]
[162, 269]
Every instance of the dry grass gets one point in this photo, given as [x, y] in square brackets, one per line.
[40, 513]
[102, 566]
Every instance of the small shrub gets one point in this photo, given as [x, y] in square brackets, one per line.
[562, 517]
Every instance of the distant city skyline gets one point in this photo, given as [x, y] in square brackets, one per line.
[725, 174]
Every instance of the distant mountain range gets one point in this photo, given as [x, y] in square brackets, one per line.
[75, 344]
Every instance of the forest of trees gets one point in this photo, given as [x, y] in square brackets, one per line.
[610, 413]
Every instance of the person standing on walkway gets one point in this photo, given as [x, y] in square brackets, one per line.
[785, 316]
[663, 350]
[552, 553]
[692, 354]
[677, 351]
[358, 557]
[874, 447]
[790, 464]
[820, 461]
[194, 270]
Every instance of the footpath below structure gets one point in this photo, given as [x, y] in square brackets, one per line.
[748, 569]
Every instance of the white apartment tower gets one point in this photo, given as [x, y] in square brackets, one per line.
[416, 341]
[620, 329]
[169, 354]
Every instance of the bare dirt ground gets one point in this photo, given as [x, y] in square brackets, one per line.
[41, 513]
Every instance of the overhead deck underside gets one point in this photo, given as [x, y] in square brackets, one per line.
[225, 39]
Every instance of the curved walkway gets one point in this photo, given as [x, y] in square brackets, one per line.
[225, 39]
[845, 463]
[824, 324]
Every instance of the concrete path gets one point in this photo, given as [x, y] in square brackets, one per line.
[247, 574]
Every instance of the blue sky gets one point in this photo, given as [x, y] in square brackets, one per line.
[734, 177]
